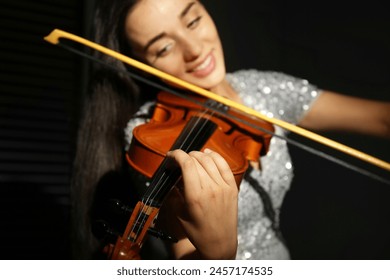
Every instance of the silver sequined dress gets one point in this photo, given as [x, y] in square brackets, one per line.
[275, 95]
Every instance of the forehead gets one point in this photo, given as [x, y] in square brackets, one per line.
[151, 17]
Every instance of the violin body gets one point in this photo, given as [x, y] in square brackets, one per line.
[234, 140]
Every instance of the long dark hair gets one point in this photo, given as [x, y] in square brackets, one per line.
[109, 102]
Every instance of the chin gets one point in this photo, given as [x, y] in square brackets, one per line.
[211, 81]
[215, 81]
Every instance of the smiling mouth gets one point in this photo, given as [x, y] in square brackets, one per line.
[203, 65]
[205, 68]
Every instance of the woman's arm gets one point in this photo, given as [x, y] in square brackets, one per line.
[336, 112]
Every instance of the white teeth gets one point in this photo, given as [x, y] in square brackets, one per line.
[204, 64]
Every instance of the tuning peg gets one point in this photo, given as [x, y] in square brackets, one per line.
[118, 207]
[102, 230]
[162, 235]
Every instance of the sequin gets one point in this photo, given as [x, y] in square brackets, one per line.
[283, 97]
[266, 90]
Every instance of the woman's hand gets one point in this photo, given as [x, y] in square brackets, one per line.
[205, 204]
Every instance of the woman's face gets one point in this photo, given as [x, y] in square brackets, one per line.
[179, 38]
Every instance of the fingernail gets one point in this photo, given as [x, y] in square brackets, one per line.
[208, 151]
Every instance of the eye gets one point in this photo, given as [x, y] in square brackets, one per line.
[164, 51]
[193, 24]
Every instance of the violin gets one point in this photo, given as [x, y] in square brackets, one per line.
[178, 123]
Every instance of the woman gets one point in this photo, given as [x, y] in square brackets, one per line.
[180, 38]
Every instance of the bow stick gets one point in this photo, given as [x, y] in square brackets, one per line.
[57, 34]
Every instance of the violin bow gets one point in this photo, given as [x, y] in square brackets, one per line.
[57, 34]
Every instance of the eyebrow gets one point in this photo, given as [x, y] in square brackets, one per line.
[187, 9]
[161, 35]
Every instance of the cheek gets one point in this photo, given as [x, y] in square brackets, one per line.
[171, 66]
[209, 31]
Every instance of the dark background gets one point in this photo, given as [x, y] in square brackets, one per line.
[329, 213]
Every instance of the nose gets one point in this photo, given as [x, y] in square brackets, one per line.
[192, 48]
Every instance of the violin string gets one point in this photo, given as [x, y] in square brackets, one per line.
[164, 178]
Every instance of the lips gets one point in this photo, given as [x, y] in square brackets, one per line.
[205, 67]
